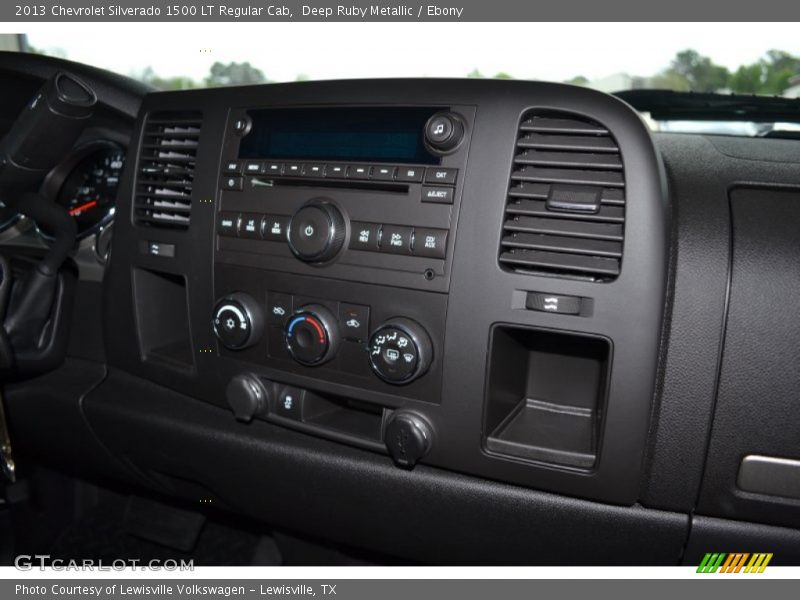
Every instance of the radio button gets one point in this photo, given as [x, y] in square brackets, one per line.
[358, 172]
[430, 243]
[232, 167]
[314, 170]
[293, 169]
[274, 168]
[381, 173]
[396, 239]
[441, 176]
[233, 184]
[228, 224]
[274, 228]
[439, 195]
[250, 226]
[317, 231]
[364, 236]
[253, 167]
[354, 321]
[336, 171]
[411, 174]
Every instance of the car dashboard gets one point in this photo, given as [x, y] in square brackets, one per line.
[452, 321]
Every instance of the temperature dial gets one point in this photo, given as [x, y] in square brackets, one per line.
[238, 321]
[400, 351]
[312, 335]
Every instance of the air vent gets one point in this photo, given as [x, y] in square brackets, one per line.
[565, 214]
[166, 170]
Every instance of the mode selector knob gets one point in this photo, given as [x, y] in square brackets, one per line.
[312, 335]
[238, 321]
[400, 351]
[317, 231]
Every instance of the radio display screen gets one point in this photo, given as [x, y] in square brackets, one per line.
[358, 134]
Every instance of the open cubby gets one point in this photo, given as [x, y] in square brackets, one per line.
[162, 315]
[545, 395]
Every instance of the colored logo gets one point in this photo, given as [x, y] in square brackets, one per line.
[737, 562]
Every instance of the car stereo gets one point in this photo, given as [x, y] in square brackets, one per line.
[354, 190]
[324, 203]
[408, 267]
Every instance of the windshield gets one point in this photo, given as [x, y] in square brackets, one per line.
[671, 56]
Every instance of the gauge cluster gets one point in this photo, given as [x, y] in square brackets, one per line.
[85, 183]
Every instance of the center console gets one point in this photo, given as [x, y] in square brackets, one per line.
[467, 274]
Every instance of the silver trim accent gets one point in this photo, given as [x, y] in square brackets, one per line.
[769, 475]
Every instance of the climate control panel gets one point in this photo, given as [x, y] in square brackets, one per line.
[363, 338]
[399, 350]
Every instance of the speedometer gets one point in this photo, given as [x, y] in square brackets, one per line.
[86, 185]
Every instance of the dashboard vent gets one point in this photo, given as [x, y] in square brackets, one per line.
[166, 169]
[565, 213]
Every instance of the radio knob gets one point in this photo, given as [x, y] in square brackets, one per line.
[238, 321]
[312, 335]
[400, 351]
[317, 232]
[444, 132]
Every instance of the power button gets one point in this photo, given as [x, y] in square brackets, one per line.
[316, 232]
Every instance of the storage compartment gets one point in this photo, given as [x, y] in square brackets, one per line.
[162, 315]
[545, 395]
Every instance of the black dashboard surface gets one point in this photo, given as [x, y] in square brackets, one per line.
[693, 363]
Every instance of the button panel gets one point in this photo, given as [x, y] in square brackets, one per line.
[361, 172]
[365, 237]
[434, 185]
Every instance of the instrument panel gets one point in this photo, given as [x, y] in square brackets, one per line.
[86, 184]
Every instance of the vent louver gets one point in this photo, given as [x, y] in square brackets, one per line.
[166, 170]
[565, 214]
